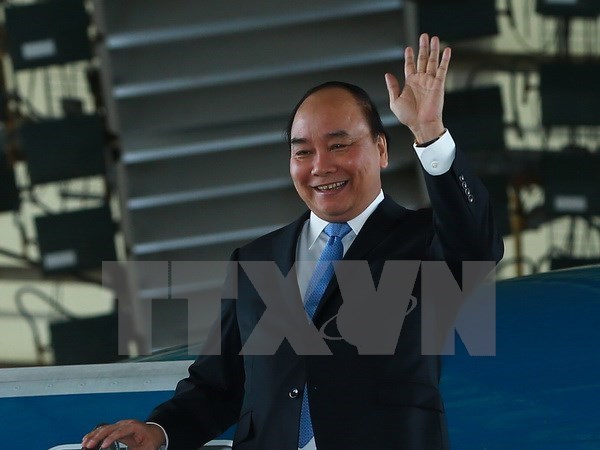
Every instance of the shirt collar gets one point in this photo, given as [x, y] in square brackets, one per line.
[316, 225]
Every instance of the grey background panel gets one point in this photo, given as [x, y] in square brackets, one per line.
[199, 94]
[204, 171]
[263, 98]
[215, 16]
[212, 216]
[216, 59]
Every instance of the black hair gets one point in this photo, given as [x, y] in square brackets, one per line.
[362, 98]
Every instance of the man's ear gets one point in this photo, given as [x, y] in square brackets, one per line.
[383, 150]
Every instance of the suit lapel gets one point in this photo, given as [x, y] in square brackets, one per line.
[285, 243]
[376, 228]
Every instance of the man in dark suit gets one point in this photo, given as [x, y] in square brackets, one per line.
[345, 400]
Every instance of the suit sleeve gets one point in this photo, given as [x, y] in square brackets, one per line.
[463, 221]
[209, 400]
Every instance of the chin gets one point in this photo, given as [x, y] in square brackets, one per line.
[335, 216]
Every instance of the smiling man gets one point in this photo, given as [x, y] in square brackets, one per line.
[336, 157]
[344, 400]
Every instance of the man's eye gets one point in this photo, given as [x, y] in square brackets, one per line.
[301, 153]
[338, 146]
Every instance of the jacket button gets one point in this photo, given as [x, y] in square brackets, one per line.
[294, 393]
[464, 185]
[470, 198]
[468, 191]
[461, 178]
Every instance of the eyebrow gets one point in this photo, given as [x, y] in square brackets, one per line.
[296, 141]
[336, 133]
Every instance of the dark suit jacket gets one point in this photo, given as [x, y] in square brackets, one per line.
[357, 401]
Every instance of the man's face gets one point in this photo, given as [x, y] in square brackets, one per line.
[335, 161]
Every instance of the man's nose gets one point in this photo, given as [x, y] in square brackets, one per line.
[323, 163]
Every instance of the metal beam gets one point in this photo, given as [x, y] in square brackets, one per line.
[510, 62]
[15, 273]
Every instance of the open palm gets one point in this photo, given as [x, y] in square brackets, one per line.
[419, 105]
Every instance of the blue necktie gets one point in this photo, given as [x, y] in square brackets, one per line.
[333, 251]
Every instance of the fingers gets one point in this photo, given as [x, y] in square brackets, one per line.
[423, 53]
[94, 438]
[393, 86]
[409, 62]
[133, 433]
[434, 56]
[428, 58]
[104, 436]
[443, 68]
[428, 62]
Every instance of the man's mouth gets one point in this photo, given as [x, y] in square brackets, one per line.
[331, 186]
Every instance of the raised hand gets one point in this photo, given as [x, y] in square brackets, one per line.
[419, 105]
[133, 433]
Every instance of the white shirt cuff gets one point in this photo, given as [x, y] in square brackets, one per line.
[437, 158]
[166, 446]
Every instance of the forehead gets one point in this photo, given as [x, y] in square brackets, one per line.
[327, 110]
